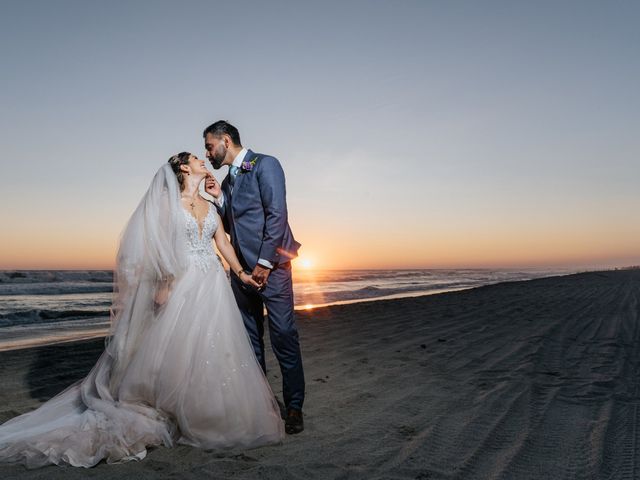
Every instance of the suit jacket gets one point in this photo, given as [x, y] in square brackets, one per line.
[255, 213]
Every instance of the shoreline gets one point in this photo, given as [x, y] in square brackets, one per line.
[82, 335]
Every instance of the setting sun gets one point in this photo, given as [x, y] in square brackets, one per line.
[304, 262]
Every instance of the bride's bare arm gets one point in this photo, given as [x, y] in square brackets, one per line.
[226, 249]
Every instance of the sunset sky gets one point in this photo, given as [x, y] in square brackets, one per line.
[412, 133]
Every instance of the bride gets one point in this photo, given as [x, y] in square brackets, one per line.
[178, 366]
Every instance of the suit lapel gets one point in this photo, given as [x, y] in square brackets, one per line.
[226, 188]
[228, 198]
[240, 176]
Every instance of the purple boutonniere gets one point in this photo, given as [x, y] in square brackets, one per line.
[248, 165]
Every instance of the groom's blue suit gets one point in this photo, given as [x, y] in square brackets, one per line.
[254, 213]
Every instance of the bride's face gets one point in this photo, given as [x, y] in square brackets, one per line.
[196, 166]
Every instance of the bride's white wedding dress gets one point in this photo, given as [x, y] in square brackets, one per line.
[184, 372]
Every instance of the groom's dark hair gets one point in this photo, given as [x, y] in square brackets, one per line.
[220, 128]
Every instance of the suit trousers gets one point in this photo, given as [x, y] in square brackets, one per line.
[277, 297]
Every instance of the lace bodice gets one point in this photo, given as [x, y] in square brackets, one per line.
[200, 247]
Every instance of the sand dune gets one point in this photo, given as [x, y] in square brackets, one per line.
[527, 380]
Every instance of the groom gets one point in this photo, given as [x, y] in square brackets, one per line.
[252, 204]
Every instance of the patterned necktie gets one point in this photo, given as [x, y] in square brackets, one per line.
[233, 171]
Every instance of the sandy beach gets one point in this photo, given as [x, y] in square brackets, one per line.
[524, 380]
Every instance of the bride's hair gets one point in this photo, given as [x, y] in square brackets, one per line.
[181, 158]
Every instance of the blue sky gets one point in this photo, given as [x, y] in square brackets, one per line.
[412, 133]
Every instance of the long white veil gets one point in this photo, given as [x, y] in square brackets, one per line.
[152, 251]
[85, 423]
[159, 381]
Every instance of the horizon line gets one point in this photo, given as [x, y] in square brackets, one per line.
[581, 268]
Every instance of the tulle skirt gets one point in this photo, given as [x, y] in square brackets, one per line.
[192, 379]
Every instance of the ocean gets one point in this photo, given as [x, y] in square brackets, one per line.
[40, 307]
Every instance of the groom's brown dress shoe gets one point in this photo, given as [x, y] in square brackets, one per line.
[293, 423]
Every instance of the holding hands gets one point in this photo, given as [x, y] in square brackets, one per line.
[248, 280]
[260, 275]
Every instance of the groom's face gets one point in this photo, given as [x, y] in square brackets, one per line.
[216, 150]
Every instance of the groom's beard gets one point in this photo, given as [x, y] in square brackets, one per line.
[216, 162]
[218, 157]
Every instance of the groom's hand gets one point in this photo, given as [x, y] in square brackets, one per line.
[260, 275]
[211, 186]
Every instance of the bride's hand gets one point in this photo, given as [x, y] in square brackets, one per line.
[163, 289]
[162, 294]
[211, 186]
[248, 280]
